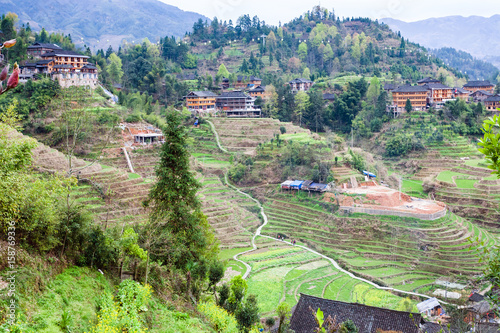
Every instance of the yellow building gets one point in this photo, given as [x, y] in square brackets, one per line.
[474, 86]
[418, 96]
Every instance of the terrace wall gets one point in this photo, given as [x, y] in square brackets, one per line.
[372, 211]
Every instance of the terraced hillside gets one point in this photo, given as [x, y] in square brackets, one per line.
[281, 272]
[244, 135]
[233, 216]
[471, 191]
[405, 253]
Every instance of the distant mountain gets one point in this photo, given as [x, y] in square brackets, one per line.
[104, 22]
[474, 34]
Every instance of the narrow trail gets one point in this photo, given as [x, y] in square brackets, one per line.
[332, 261]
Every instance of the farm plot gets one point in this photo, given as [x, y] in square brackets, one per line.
[297, 273]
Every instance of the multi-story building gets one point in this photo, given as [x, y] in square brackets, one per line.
[258, 91]
[38, 49]
[243, 82]
[418, 96]
[461, 93]
[492, 103]
[480, 96]
[200, 102]
[300, 85]
[68, 67]
[237, 104]
[474, 86]
[438, 93]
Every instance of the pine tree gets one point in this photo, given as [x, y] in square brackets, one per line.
[408, 106]
[178, 232]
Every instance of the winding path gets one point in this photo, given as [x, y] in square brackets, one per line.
[258, 233]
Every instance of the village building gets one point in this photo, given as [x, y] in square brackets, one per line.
[438, 94]
[300, 84]
[460, 93]
[38, 49]
[418, 96]
[186, 77]
[367, 319]
[480, 96]
[427, 80]
[389, 87]
[474, 86]
[225, 83]
[68, 67]
[492, 103]
[329, 98]
[243, 82]
[237, 104]
[200, 102]
[258, 91]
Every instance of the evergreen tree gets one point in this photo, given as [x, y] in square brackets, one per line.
[178, 232]
[408, 106]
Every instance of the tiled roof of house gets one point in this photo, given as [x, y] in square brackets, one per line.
[494, 98]
[436, 86]
[64, 66]
[89, 66]
[257, 89]
[300, 80]
[481, 92]
[202, 94]
[404, 89]
[233, 94]
[428, 80]
[461, 90]
[329, 97]
[367, 319]
[186, 77]
[44, 62]
[45, 46]
[63, 53]
[478, 84]
[389, 86]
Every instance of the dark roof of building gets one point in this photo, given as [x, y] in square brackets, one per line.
[63, 53]
[233, 94]
[389, 86]
[300, 80]
[436, 86]
[367, 319]
[28, 64]
[202, 94]
[488, 327]
[45, 46]
[248, 78]
[428, 80]
[257, 89]
[117, 86]
[484, 83]
[481, 92]
[461, 90]
[44, 62]
[89, 66]
[475, 297]
[64, 66]
[404, 89]
[494, 98]
[329, 97]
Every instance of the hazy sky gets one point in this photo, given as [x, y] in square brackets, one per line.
[273, 11]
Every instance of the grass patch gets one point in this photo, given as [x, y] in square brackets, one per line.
[465, 183]
[229, 253]
[133, 175]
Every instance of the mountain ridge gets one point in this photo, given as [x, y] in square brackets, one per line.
[102, 23]
[473, 34]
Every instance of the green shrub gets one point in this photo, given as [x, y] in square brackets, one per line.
[133, 118]
[219, 318]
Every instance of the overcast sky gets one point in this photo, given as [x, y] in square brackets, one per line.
[273, 11]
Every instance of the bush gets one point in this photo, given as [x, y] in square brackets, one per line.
[376, 125]
[237, 172]
[219, 318]
[282, 129]
[133, 118]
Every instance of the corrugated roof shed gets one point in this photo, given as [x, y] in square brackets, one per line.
[428, 304]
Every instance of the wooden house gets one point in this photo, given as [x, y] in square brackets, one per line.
[237, 104]
[258, 91]
[474, 86]
[492, 103]
[480, 96]
[438, 93]
[38, 49]
[329, 98]
[199, 102]
[367, 319]
[389, 87]
[300, 84]
[427, 80]
[418, 96]
[460, 93]
[243, 82]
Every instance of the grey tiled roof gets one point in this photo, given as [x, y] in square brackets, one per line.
[411, 89]
[478, 84]
[202, 94]
[367, 319]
